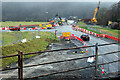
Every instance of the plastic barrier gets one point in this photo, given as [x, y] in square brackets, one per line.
[3, 28]
[79, 39]
[111, 37]
[24, 28]
[99, 35]
[73, 37]
[53, 25]
[33, 28]
[61, 37]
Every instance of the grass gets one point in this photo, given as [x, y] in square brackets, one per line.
[81, 23]
[11, 23]
[9, 37]
[30, 46]
[90, 30]
[114, 32]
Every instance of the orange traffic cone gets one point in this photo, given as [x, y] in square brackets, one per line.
[84, 44]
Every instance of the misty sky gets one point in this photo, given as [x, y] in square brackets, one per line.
[59, 0]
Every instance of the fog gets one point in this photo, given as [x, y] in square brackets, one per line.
[36, 11]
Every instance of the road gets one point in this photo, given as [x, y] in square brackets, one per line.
[101, 50]
[47, 57]
[93, 40]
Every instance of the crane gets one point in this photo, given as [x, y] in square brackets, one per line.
[94, 20]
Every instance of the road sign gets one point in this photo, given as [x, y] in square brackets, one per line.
[66, 34]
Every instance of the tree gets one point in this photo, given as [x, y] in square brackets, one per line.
[106, 15]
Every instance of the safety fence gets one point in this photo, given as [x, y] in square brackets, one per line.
[98, 35]
[9, 38]
[72, 37]
[30, 27]
[92, 27]
[20, 61]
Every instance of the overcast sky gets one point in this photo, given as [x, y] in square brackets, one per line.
[59, 0]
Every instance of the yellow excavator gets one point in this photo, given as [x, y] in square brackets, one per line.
[94, 20]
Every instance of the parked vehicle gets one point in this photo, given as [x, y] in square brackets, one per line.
[85, 37]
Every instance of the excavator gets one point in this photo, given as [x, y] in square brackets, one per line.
[93, 20]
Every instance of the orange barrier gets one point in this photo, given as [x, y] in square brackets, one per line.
[99, 35]
[79, 39]
[111, 37]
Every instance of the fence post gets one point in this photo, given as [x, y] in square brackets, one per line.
[20, 65]
[55, 33]
[33, 35]
[96, 59]
[38, 32]
[14, 38]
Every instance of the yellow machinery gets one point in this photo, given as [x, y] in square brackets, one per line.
[66, 34]
[94, 20]
[109, 22]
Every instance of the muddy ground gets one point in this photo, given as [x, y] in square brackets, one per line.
[50, 68]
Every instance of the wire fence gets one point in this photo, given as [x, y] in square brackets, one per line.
[20, 61]
[9, 38]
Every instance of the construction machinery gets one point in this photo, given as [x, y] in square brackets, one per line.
[93, 20]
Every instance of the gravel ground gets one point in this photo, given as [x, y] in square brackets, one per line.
[49, 68]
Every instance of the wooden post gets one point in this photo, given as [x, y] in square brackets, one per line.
[20, 65]
[55, 33]
[96, 59]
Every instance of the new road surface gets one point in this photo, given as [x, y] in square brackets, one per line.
[62, 55]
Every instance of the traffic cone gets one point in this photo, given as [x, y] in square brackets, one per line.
[86, 51]
[84, 44]
[103, 71]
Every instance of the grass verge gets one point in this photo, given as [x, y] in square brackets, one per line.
[90, 30]
[81, 23]
[114, 32]
[30, 46]
[12, 23]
